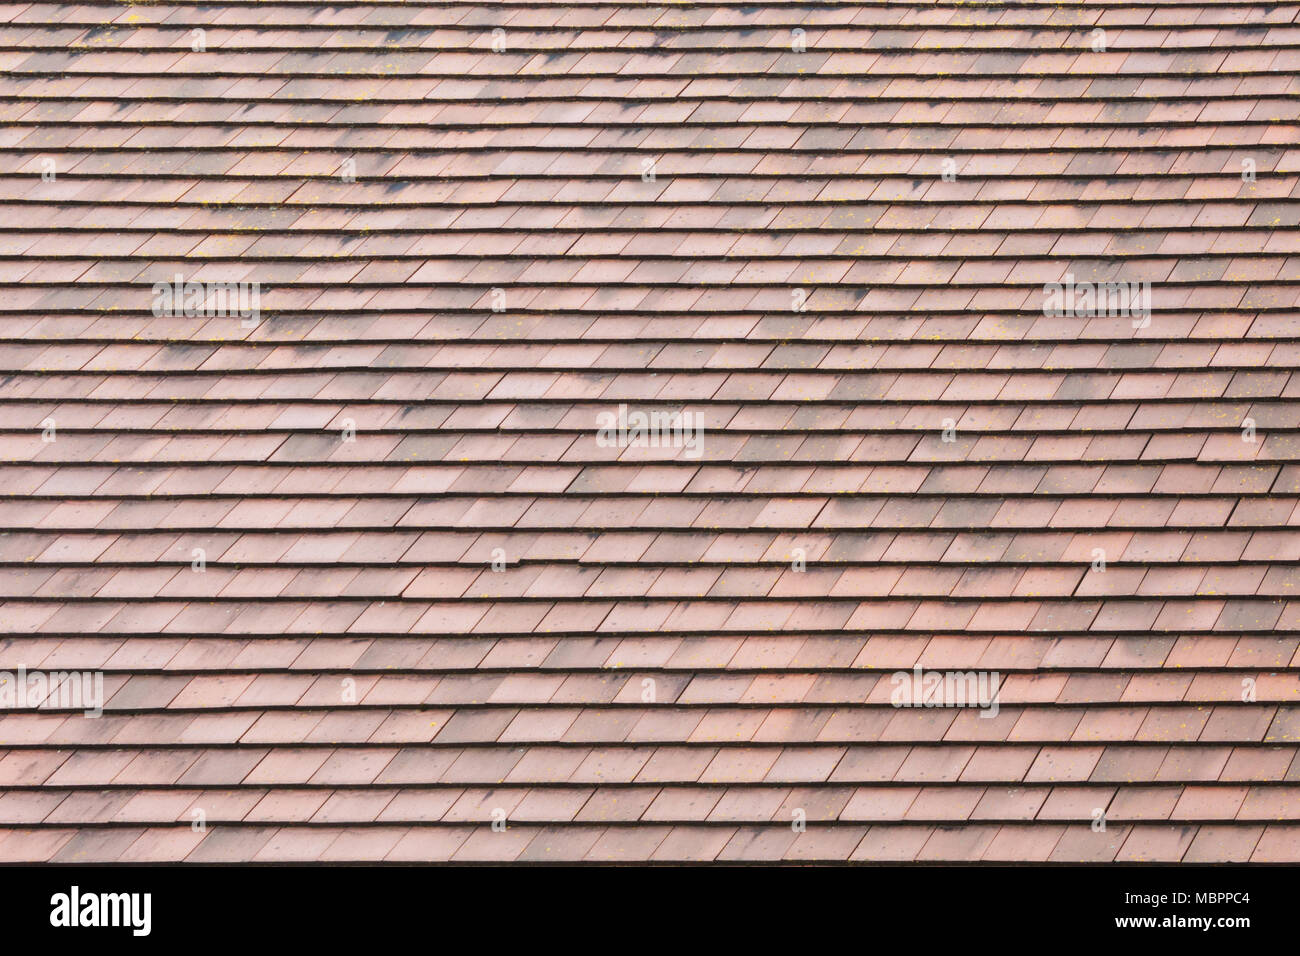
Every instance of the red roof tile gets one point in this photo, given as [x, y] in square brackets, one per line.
[370, 570]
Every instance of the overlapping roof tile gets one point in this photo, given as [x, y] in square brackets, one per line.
[362, 578]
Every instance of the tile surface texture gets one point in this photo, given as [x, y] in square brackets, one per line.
[823, 232]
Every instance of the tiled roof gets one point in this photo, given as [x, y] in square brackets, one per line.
[823, 232]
